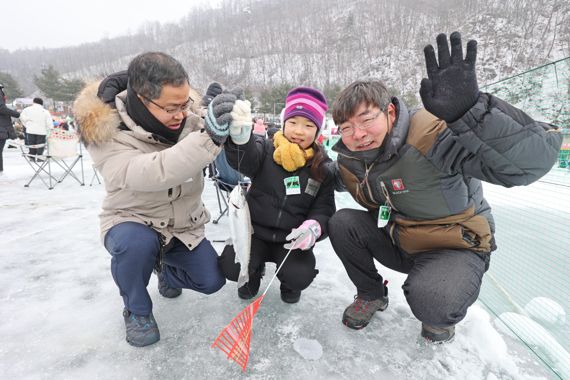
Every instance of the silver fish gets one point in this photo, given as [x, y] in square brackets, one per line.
[240, 230]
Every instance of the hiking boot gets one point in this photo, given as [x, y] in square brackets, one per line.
[438, 335]
[164, 289]
[250, 288]
[290, 295]
[141, 330]
[360, 312]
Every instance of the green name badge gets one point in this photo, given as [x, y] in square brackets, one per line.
[292, 185]
[383, 216]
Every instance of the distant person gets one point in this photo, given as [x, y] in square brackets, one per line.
[290, 198]
[38, 122]
[149, 145]
[61, 124]
[259, 127]
[272, 129]
[6, 126]
[418, 176]
[70, 123]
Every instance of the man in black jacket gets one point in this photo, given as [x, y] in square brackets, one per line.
[6, 126]
[418, 175]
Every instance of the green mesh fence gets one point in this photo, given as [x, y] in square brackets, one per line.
[528, 284]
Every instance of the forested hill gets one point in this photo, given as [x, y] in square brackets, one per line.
[328, 43]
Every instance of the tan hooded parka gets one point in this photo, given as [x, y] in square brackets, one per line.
[147, 181]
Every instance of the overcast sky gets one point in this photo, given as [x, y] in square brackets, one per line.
[56, 23]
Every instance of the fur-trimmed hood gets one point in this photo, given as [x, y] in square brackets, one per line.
[98, 122]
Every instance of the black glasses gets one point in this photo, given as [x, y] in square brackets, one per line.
[174, 109]
[348, 130]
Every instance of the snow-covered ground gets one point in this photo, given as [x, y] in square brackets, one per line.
[61, 316]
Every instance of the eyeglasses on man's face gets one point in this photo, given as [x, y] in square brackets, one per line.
[173, 110]
[347, 130]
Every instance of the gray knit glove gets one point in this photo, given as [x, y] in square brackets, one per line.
[213, 90]
[218, 117]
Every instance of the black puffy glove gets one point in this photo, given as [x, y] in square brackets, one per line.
[111, 86]
[218, 117]
[451, 89]
[213, 90]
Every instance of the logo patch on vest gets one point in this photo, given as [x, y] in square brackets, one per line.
[398, 185]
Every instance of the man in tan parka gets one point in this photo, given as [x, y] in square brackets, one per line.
[150, 148]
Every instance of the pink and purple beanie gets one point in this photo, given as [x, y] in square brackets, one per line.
[307, 102]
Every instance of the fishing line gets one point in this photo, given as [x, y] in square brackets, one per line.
[278, 269]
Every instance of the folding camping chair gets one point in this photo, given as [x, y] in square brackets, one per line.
[225, 179]
[95, 177]
[63, 150]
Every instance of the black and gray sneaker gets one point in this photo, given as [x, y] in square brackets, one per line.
[163, 287]
[438, 335]
[360, 312]
[141, 330]
[250, 288]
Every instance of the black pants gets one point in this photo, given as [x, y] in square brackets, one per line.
[440, 286]
[297, 273]
[2, 143]
[34, 140]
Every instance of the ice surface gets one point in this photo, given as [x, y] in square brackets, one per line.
[309, 349]
[546, 311]
[538, 338]
[61, 311]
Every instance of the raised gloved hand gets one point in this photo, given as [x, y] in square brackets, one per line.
[213, 90]
[451, 89]
[219, 116]
[240, 127]
[111, 86]
[304, 236]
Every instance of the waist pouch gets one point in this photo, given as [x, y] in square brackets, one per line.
[461, 231]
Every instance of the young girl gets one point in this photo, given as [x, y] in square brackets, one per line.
[290, 200]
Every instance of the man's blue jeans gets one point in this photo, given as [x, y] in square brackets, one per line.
[135, 247]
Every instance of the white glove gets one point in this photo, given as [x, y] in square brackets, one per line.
[240, 127]
[304, 236]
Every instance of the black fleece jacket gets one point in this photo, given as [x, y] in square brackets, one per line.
[273, 213]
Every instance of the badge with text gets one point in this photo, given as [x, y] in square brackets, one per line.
[292, 185]
[383, 216]
[312, 187]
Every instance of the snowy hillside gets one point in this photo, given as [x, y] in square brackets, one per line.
[262, 43]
